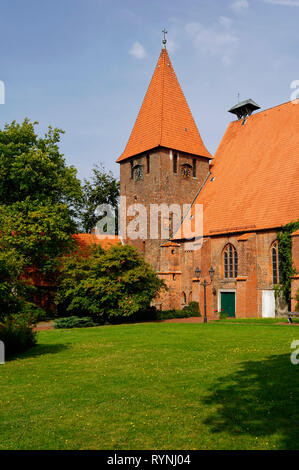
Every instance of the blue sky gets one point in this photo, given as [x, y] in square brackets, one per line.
[84, 65]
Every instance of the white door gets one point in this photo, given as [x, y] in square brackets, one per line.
[268, 306]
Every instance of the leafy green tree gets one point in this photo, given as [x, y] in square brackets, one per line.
[39, 233]
[11, 288]
[102, 188]
[32, 167]
[39, 201]
[15, 289]
[108, 285]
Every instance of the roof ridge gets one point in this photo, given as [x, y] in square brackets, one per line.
[265, 110]
[162, 94]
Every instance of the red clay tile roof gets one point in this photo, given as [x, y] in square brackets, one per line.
[295, 234]
[165, 118]
[256, 174]
[85, 240]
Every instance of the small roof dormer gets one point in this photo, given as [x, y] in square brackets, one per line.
[244, 109]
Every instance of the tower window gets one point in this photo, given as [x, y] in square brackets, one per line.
[194, 168]
[175, 163]
[132, 169]
[230, 262]
[275, 263]
[147, 163]
[138, 172]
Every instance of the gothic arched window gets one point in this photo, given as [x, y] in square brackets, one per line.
[230, 262]
[275, 262]
[175, 163]
[148, 163]
[194, 168]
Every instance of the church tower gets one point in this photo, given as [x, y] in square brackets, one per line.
[165, 160]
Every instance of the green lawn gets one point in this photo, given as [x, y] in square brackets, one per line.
[224, 385]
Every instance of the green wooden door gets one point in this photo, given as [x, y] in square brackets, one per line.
[228, 303]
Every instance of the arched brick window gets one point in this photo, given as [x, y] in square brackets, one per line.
[175, 163]
[184, 298]
[230, 262]
[138, 172]
[275, 262]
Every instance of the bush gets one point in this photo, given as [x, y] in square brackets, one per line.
[297, 298]
[73, 322]
[109, 285]
[193, 307]
[17, 334]
[223, 315]
[152, 314]
[169, 314]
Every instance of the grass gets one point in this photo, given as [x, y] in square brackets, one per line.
[154, 386]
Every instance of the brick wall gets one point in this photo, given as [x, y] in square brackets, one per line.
[174, 262]
[161, 185]
[254, 272]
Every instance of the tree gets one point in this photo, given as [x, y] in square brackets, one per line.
[103, 188]
[108, 285]
[11, 288]
[39, 199]
[32, 167]
[39, 233]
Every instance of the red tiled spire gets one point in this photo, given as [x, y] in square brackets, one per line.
[165, 118]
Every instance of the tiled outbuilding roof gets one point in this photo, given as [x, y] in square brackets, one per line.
[85, 240]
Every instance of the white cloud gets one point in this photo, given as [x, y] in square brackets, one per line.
[219, 41]
[288, 3]
[172, 46]
[240, 6]
[137, 51]
[225, 22]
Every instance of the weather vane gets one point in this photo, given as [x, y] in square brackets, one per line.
[164, 39]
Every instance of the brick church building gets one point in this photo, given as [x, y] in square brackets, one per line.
[248, 191]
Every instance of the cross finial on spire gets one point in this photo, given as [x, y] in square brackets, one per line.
[164, 41]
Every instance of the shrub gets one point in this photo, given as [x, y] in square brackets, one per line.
[109, 285]
[17, 334]
[73, 322]
[286, 268]
[223, 315]
[193, 307]
[169, 314]
[297, 298]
